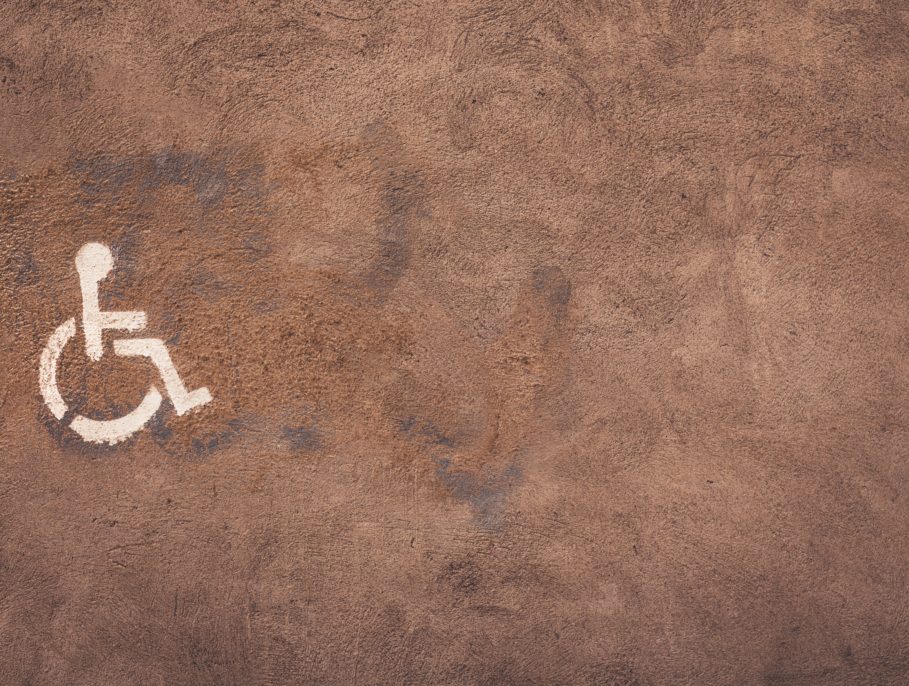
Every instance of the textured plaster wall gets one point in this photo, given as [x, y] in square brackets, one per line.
[550, 342]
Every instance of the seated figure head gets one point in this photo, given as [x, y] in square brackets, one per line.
[94, 260]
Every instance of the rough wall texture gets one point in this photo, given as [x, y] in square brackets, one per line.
[550, 342]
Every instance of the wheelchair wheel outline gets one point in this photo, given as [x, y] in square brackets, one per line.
[110, 431]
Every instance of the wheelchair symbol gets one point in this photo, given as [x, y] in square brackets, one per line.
[94, 262]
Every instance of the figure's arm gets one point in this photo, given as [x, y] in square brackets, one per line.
[123, 321]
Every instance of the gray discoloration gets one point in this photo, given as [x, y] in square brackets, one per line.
[403, 200]
[256, 246]
[614, 673]
[485, 494]
[104, 175]
[69, 441]
[553, 285]
[206, 284]
[204, 445]
[198, 446]
[160, 431]
[390, 263]
[171, 328]
[210, 177]
[23, 269]
[121, 281]
[403, 197]
[416, 428]
[461, 577]
[302, 438]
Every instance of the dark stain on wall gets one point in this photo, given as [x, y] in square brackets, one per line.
[209, 177]
[302, 438]
[486, 493]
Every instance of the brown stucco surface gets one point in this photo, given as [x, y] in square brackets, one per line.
[550, 342]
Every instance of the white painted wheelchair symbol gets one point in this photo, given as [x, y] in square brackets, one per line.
[94, 262]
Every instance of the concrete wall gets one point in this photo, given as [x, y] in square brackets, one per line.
[549, 342]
